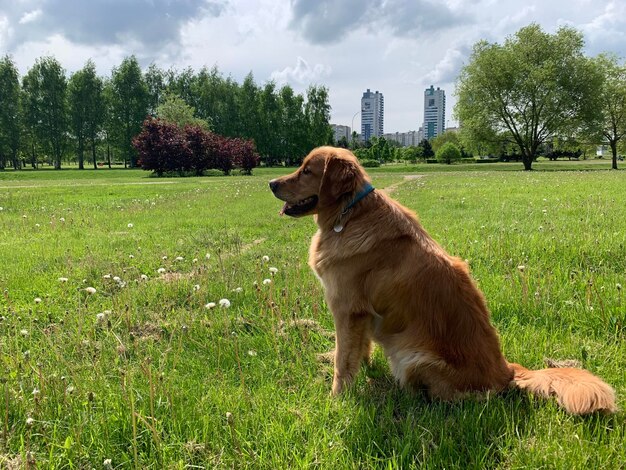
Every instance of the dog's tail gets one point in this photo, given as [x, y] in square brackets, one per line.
[576, 390]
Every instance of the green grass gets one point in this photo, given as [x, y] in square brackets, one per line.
[150, 384]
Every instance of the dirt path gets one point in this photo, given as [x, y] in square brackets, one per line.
[390, 189]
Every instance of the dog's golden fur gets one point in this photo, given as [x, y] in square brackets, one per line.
[387, 280]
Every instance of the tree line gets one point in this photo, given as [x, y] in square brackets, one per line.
[49, 117]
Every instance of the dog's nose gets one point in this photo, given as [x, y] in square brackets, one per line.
[273, 185]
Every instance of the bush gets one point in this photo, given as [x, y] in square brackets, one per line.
[448, 153]
[369, 163]
[161, 147]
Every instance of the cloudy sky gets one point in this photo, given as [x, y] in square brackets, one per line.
[398, 47]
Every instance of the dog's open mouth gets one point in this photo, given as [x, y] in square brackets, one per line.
[300, 207]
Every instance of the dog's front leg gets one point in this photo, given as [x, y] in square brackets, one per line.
[352, 345]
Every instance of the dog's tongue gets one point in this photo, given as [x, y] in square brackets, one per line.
[283, 209]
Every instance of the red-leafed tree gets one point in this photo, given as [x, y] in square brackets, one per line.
[162, 147]
[202, 145]
[244, 155]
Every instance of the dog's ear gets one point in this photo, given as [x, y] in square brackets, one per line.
[340, 177]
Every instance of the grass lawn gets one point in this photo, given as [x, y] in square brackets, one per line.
[141, 372]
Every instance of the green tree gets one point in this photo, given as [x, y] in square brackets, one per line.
[10, 122]
[45, 90]
[441, 139]
[317, 112]
[413, 154]
[294, 131]
[248, 109]
[173, 109]
[155, 83]
[610, 125]
[534, 86]
[86, 109]
[129, 106]
[448, 153]
[427, 149]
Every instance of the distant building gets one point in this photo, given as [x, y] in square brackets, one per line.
[420, 134]
[404, 139]
[434, 112]
[340, 131]
[372, 115]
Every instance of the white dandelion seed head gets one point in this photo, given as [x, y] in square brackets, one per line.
[24, 332]
[195, 260]
[30, 421]
[265, 258]
[69, 390]
[131, 256]
[229, 417]
[196, 287]
[210, 305]
[207, 256]
[224, 303]
[101, 317]
[117, 278]
[37, 300]
[63, 279]
[36, 392]
[107, 464]
[106, 276]
[130, 225]
[90, 290]
[1, 208]
[37, 225]
[267, 281]
[144, 277]
[161, 270]
[62, 219]
[179, 258]
[521, 268]
[164, 258]
[252, 352]
[24, 216]
[273, 270]
[238, 290]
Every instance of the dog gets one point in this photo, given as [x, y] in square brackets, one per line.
[386, 280]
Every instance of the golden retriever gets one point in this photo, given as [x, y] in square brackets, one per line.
[387, 280]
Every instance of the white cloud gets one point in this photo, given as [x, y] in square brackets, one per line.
[30, 16]
[302, 73]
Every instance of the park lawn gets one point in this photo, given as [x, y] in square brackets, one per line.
[160, 381]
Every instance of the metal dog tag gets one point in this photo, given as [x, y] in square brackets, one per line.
[338, 228]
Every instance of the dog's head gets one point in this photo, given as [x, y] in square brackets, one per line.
[327, 178]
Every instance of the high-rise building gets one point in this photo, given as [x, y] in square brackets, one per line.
[340, 131]
[372, 115]
[434, 112]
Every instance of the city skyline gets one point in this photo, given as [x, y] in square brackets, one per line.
[407, 45]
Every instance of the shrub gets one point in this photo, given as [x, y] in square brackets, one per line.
[162, 147]
[448, 153]
[369, 163]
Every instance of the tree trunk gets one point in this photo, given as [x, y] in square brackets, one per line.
[528, 162]
[81, 155]
[109, 154]
[613, 144]
[93, 154]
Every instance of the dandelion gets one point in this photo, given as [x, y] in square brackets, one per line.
[90, 290]
[36, 392]
[37, 300]
[24, 216]
[30, 421]
[130, 225]
[179, 258]
[207, 256]
[229, 417]
[195, 260]
[224, 303]
[144, 277]
[107, 464]
[210, 305]
[117, 278]
[131, 256]
[238, 290]
[618, 286]
[265, 258]
[252, 353]
[24, 332]
[267, 281]
[521, 268]
[62, 219]
[69, 390]
[62, 279]
[196, 287]
[106, 276]
[100, 318]
[161, 270]
[164, 258]
[1, 208]
[37, 225]
[273, 270]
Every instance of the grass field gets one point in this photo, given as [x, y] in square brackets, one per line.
[141, 372]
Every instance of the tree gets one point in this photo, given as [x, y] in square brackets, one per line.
[611, 103]
[448, 153]
[162, 147]
[413, 154]
[317, 112]
[155, 84]
[45, 90]
[129, 105]
[174, 109]
[294, 131]
[268, 140]
[441, 139]
[247, 100]
[9, 113]
[533, 87]
[427, 150]
[86, 109]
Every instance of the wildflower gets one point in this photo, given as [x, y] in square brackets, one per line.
[238, 290]
[130, 225]
[24, 332]
[100, 318]
[210, 305]
[36, 392]
[37, 300]
[90, 290]
[224, 303]
[30, 421]
[62, 219]
[195, 260]
[62, 279]
[131, 256]
[207, 256]
[144, 277]
[117, 278]
[267, 281]
[69, 390]
[1, 208]
[161, 270]
[196, 287]
[229, 417]
[179, 258]
[37, 225]
[164, 258]
[106, 276]
[273, 270]
[107, 464]
[265, 258]
[618, 286]
[24, 216]
[252, 352]
[521, 268]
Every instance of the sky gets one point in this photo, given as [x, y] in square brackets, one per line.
[397, 47]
